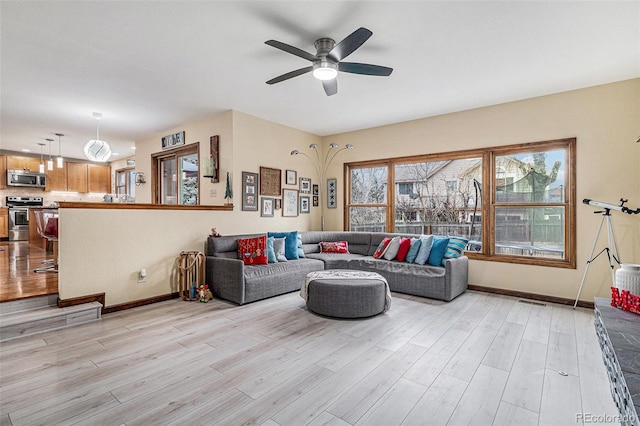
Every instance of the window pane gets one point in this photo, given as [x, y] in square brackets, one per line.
[368, 219]
[445, 198]
[188, 179]
[530, 231]
[530, 177]
[369, 186]
[132, 184]
[168, 181]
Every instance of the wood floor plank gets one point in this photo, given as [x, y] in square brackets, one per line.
[524, 386]
[561, 400]
[509, 415]
[504, 347]
[538, 324]
[327, 419]
[438, 403]
[562, 353]
[480, 401]
[394, 405]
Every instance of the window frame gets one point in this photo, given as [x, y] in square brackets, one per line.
[488, 204]
[174, 153]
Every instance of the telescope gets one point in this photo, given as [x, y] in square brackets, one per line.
[621, 208]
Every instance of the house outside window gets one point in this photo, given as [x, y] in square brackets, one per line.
[513, 203]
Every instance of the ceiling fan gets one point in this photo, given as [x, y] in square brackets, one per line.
[328, 60]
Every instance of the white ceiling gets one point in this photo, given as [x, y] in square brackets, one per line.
[149, 66]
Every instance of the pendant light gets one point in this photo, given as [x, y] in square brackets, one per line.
[49, 161]
[96, 149]
[59, 159]
[41, 166]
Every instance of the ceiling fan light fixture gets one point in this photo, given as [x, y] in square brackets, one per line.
[325, 70]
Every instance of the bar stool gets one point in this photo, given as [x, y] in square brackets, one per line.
[47, 226]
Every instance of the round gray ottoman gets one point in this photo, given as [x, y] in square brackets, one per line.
[342, 296]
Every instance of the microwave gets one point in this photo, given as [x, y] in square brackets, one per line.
[26, 178]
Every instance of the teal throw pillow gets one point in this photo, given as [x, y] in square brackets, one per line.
[437, 251]
[271, 254]
[455, 248]
[413, 251]
[425, 249]
[290, 244]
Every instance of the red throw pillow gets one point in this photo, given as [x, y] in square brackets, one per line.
[253, 251]
[405, 245]
[334, 247]
[382, 247]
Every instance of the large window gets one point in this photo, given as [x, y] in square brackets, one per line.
[526, 214]
[175, 176]
[126, 184]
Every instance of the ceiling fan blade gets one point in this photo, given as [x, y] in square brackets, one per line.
[290, 49]
[350, 43]
[330, 86]
[366, 69]
[289, 75]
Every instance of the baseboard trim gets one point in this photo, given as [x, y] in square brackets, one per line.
[99, 297]
[142, 302]
[532, 296]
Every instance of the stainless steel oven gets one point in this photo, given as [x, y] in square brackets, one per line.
[19, 216]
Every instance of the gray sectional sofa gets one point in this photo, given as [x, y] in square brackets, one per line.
[230, 279]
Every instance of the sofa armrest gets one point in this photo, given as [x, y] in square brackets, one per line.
[456, 277]
[226, 278]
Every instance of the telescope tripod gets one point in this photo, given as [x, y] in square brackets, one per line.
[611, 237]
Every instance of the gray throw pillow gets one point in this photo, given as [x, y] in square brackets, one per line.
[425, 249]
[278, 247]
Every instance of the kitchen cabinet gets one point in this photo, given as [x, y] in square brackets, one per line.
[99, 178]
[3, 172]
[4, 223]
[57, 178]
[77, 178]
[23, 163]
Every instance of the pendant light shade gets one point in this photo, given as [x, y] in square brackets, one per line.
[59, 160]
[49, 161]
[96, 149]
[41, 166]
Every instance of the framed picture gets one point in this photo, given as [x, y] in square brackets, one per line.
[291, 177]
[249, 192]
[266, 207]
[304, 204]
[332, 193]
[277, 204]
[315, 189]
[289, 202]
[305, 185]
[315, 201]
[270, 181]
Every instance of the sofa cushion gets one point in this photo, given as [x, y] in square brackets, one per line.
[359, 242]
[392, 249]
[405, 245]
[335, 260]
[425, 249]
[437, 251]
[382, 248]
[253, 251]
[279, 249]
[334, 247]
[300, 249]
[413, 251]
[455, 248]
[291, 243]
[271, 253]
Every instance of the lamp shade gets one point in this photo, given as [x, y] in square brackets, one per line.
[97, 150]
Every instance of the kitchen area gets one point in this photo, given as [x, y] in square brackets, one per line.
[25, 190]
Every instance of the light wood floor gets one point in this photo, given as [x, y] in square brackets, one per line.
[17, 279]
[482, 359]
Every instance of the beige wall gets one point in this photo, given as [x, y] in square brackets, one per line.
[606, 122]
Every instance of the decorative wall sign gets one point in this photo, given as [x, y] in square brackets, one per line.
[332, 193]
[266, 207]
[305, 185]
[249, 191]
[291, 177]
[289, 202]
[304, 204]
[171, 141]
[270, 181]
